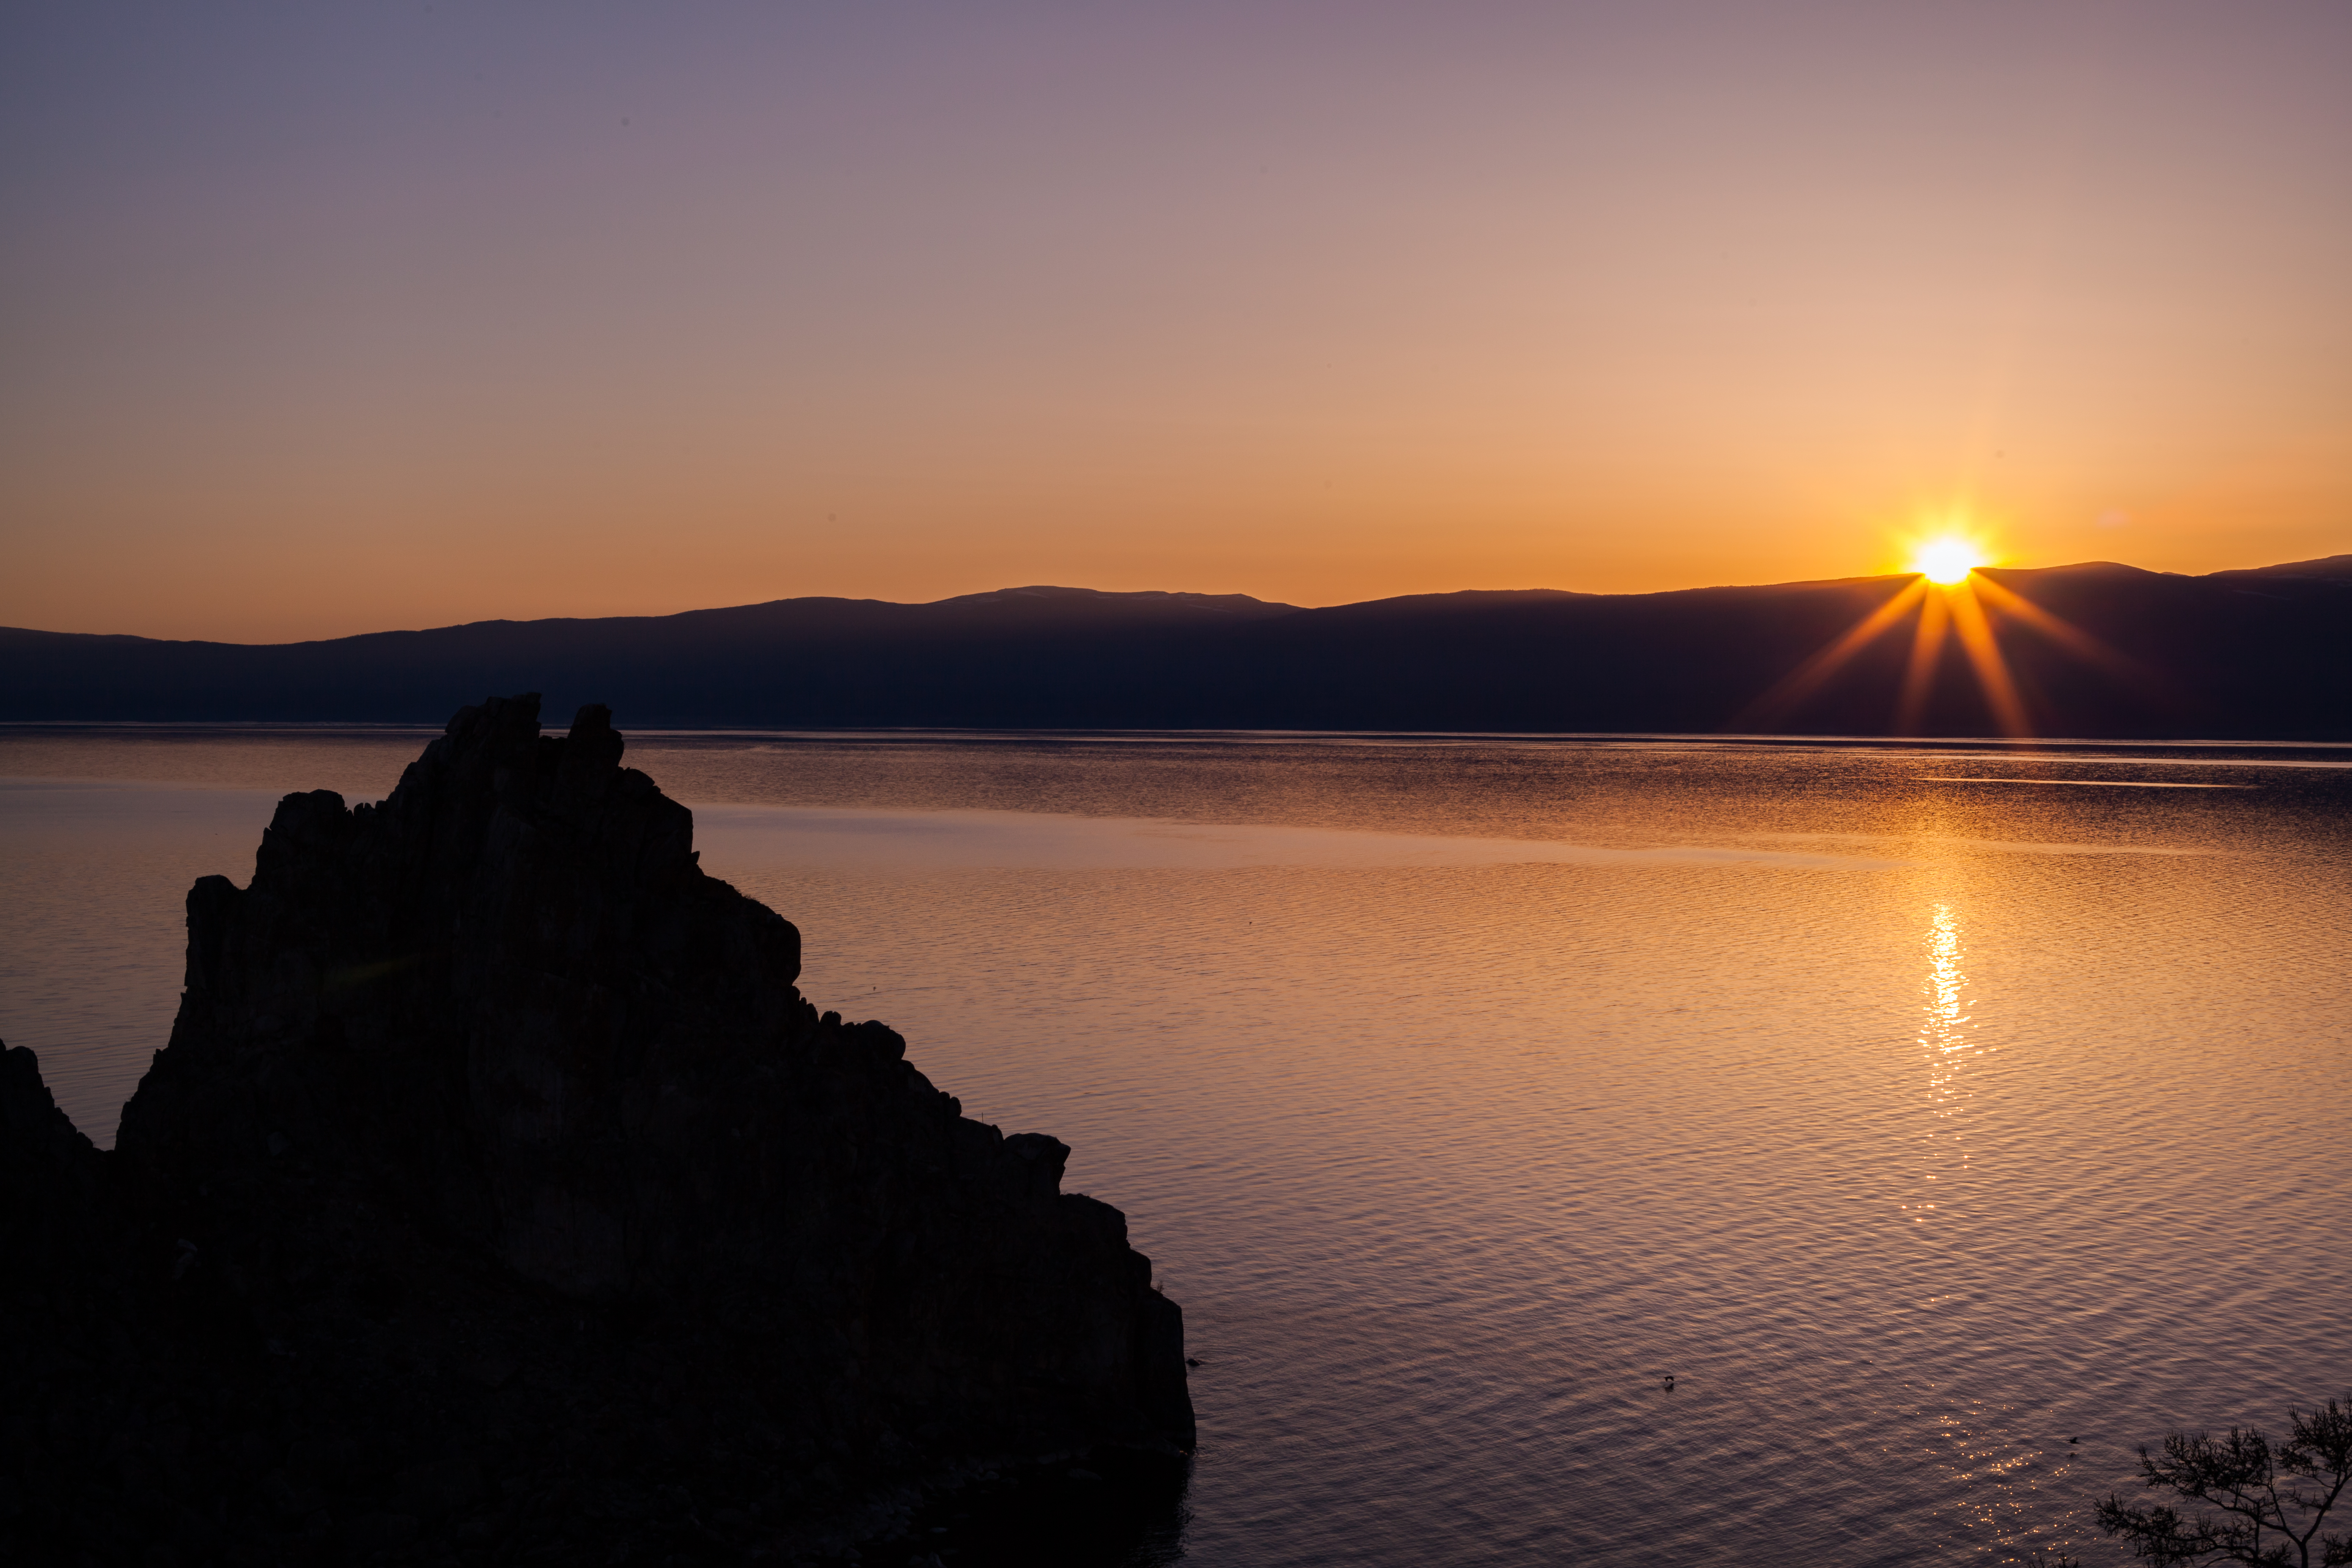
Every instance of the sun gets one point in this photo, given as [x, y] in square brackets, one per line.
[1947, 560]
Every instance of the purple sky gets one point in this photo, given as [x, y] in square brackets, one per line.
[325, 318]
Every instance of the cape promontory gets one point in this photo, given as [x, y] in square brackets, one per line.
[498, 1197]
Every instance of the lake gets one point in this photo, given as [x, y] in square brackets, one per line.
[1917, 1109]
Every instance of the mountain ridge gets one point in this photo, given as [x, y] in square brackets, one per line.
[1237, 602]
[2261, 652]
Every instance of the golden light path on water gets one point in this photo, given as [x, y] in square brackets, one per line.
[1945, 1044]
[1459, 1090]
[1993, 1481]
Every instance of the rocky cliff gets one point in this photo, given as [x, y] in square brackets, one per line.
[498, 1198]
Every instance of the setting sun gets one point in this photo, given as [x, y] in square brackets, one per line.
[1947, 560]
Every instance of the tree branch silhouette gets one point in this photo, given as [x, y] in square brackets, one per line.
[2271, 1501]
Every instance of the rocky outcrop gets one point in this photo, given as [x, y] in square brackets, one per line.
[498, 1194]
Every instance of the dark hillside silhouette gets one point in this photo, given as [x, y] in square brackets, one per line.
[2265, 652]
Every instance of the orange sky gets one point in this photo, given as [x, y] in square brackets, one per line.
[325, 325]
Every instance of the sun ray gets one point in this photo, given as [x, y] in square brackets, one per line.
[1954, 599]
[1992, 671]
[2073, 638]
[1802, 681]
[1926, 651]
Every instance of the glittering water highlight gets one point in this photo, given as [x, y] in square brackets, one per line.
[1464, 1092]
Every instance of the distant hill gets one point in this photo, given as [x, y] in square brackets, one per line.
[2265, 652]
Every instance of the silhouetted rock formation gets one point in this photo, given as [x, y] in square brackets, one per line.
[499, 1194]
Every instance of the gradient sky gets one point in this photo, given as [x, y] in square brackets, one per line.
[323, 319]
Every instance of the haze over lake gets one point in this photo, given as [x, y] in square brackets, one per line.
[1917, 1109]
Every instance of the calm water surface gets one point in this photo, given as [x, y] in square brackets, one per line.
[1916, 1110]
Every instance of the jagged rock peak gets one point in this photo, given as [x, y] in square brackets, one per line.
[493, 1078]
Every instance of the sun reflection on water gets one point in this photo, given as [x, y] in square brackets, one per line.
[1947, 1043]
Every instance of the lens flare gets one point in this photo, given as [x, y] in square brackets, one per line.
[1947, 560]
